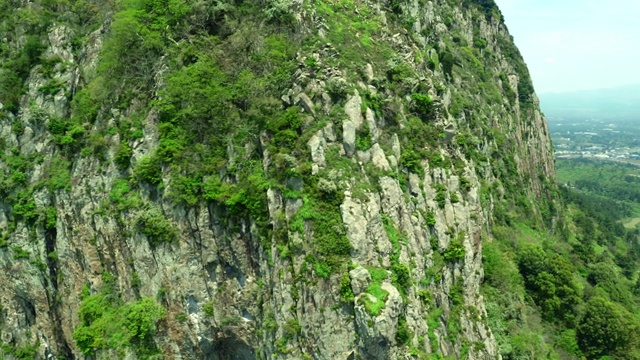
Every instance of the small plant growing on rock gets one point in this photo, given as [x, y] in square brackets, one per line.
[346, 293]
[454, 252]
[423, 107]
[208, 309]
[156, 227]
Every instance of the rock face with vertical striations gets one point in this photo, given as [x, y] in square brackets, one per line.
[258, 179]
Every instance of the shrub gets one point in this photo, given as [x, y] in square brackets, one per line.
[196, 99]
[549, 280]
[499, 269]
[208, 309]
[426, 297]
[441, 196]
[323, 270]
[141, 318]
[337, 88]
[285, 127]
[346, 293]
[447, 60]
[412, 161]
[186, 190]
[59, 174]
[16, 69]
[465, 184]
[107, 324]
[423, 107]
[155, 226]
[401, 276]
[604, 329]
[363, 138]
[280, 12]
[122, 197]
[24, 206]
[291, 328]
[454, 252]
[20, 253]
[67, 133]
[430, 218]
[149, 169]
[403, 334]
[123, 155]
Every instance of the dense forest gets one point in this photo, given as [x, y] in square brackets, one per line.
[581, 281]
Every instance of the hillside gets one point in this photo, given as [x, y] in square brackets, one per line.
[287, 179]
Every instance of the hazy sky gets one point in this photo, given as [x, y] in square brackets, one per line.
[576, 44]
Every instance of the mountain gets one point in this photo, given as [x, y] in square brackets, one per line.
[289, 179]
[615, 104]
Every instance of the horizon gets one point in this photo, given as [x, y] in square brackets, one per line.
[634, 85]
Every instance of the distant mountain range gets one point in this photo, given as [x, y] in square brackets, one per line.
[620, 103]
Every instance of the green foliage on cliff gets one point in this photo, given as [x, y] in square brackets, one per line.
[376, 303]
[156, 227]
[454, 252]
[109, 324]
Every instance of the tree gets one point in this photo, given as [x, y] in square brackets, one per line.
[603, 329]
[549, 279]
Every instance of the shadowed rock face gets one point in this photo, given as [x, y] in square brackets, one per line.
[404, 127]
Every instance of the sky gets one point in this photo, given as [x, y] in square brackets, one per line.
[572, 45]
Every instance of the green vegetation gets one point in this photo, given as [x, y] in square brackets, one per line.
[614, 184]
[400, 271]
[346, 293]
[580, 283]
[363, 138]
[108, 323]
[321, 210]
[156, 227]
[423, 107]
[20, 253]
[26, 352]
[403, 334]
[375, 303]
[122, 196]
[549, 279]
[455, 251]
[607, 329]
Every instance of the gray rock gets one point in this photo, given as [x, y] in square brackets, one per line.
[395, 146]
[306, 103]
[378, 158]
[368, 72]
[349, 137]
[353, 109]
[364, 156]
[317, 145]
[360, 279]
[329, 134]
[371, 123]
[378, 332]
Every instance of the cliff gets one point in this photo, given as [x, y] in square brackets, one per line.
[259, 179]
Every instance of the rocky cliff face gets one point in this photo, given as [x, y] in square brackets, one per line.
[223, 180]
